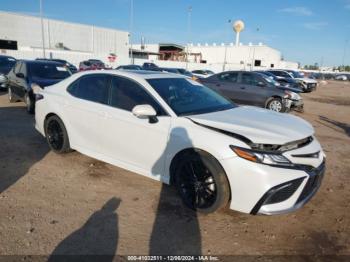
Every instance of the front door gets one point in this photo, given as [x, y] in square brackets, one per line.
[138, 143]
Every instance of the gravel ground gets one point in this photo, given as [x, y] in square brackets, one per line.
[73, 204]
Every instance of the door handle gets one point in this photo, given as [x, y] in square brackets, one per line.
[242, 87]
[218, 85]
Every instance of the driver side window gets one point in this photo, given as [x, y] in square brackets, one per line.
[126, 94]
[249, 79]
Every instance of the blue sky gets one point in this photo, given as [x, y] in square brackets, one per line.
[305, 31]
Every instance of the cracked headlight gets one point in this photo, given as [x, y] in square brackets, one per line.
[267, 158]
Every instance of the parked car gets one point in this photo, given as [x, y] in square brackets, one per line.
[287, 83]
[215, 153]
[6, 64]
[342, 77]
[92, 64]
[180, 71]
[250, 88]
[297, 101]
[29, 75]
[151, 67]
[129, 67]
[308, 84]
[202, 73]
[70, 66]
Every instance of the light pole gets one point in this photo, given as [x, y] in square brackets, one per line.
[225, 56]
[131, 29]
[42, 27]
[344, 54]
[188, 34]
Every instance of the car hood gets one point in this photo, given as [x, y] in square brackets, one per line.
[258, 125]
[307, 80]
[287, 88]
[42, 82]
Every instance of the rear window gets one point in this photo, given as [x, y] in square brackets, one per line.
[48, 71]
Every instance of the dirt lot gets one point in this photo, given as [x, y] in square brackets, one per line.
[72, 204]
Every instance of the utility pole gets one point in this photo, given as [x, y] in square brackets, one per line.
[344, 54]
[188, 34]
[42, 27]
[131, 29]
[225, 56]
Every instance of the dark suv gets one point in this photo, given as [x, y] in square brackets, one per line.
[27, 75]
[250, 88]
[70, 66]
[6, 64]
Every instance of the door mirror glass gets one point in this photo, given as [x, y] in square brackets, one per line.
[144, 111]
[261, 84]
[20, 75]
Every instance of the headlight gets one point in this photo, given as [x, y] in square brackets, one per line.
[261, 157]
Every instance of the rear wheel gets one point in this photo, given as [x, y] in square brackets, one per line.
[201, 182]
[56, 135]
[275, 104]
[29, 103]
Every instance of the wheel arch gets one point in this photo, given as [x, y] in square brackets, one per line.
[271, 98]
[175, 160]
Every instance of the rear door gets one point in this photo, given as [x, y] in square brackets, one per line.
[85, 111]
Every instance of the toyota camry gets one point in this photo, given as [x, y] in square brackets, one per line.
[178, 131]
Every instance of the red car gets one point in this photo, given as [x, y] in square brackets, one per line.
[92, 64]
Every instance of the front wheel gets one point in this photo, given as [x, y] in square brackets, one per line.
[56, 135]
[202, 182]
[275, 104]
[29, 103]
[10, 95]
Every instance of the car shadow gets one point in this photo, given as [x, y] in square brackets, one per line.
[176, 229]
[21, 146]
[96, 240]
[345, 127]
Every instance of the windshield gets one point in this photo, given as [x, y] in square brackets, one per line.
[296, 74]
[188, 97]
[185, 72]
[49, 71]
[270, 79]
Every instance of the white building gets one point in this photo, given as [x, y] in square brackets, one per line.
[70, 41]
[217, 57]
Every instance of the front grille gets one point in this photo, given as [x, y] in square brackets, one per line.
[282, 193]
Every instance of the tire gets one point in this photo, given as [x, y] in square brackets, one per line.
[10, 95]
[56, 135]
[28, 100]
[275, 104]
[201, 182]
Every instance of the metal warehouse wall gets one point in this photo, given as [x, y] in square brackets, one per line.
[26, 30]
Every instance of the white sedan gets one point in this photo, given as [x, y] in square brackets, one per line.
[177, 131]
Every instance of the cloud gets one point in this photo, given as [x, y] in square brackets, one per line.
[298, 10]
[315, 25]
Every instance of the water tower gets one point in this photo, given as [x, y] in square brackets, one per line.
[238, 26]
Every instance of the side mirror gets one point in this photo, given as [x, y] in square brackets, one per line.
[261, 84]
[20, 75]
[145, 111]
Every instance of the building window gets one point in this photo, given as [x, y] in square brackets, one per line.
[272, 65]
[8, 44]
[257, 62]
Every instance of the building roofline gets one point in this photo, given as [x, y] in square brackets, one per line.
[61, 21]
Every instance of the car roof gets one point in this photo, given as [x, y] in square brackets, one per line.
[40, 62]
[136, 74]
[7, 56]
